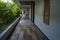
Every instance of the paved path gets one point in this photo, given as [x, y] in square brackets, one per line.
[24, 30]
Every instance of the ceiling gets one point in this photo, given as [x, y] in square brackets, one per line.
[24, 3]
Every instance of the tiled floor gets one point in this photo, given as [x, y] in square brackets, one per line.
[24, 30]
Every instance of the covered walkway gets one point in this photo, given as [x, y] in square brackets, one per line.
[26, 30]
[42, 22]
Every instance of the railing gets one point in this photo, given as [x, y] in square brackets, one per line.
[4, 35]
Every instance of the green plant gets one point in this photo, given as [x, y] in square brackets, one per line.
[8, 12]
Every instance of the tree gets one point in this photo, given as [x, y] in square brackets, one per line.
[8, 12]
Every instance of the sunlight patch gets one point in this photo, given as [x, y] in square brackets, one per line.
[8, 1]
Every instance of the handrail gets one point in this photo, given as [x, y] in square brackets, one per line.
[7, 32]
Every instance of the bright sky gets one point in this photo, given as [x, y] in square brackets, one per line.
[7, 1]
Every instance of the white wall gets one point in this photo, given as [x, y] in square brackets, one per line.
[30, 13]
[53, 30]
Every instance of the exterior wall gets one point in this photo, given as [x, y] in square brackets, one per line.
[30, 13]
[53, 30]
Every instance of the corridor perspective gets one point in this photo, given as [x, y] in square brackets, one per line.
[25, 30]
[38, 20]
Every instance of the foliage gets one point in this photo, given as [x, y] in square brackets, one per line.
[8, 12]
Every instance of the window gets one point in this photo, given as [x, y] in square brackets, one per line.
[46, 11]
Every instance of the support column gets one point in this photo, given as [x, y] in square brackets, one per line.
[32, 11]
